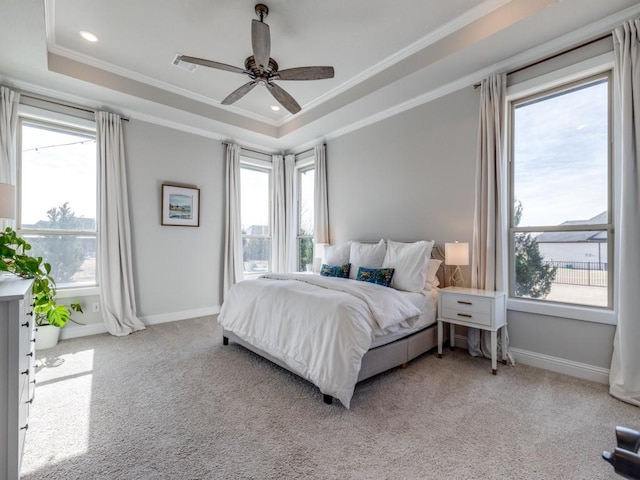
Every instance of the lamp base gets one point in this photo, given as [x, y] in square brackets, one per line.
[456, 279]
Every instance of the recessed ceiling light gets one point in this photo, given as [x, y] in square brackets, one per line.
[275, 108]
[88, 36]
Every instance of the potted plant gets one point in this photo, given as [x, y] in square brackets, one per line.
[49, 315]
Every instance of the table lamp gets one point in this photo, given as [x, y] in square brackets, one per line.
[456, 254]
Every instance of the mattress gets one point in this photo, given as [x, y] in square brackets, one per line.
[426, 303]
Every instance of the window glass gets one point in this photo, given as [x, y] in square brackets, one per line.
[561, 192]
[254, 212]
[58, 199]
[561, 156]
[306, 181]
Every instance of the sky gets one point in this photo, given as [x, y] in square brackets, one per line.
[560, 155]
[57, 168]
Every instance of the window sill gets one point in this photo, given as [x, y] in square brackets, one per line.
[596, 315]
[74, 292]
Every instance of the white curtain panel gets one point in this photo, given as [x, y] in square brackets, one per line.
[8, 132]
[233, 263]
[115, 272]
[278, 216]
[321, 200]
[624, 377]
[489, 243]
[291, 222]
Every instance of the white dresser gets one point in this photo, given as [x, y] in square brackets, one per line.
[17, 384]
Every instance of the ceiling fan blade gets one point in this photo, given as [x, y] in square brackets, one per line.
[305, 73]
[239, 93]
[210, 63]
[261, 43]
[286, 100]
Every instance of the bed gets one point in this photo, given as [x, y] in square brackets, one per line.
[337, 331]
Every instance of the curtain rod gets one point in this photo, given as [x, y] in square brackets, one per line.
[551, 57]
[303, 152]
[251, 150]
[63, 104]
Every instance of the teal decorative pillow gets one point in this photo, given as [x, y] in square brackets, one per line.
[379, 276]
[341, 271]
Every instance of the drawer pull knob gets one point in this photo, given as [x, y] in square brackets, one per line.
[33, 340]
[33, 381]
[30, 314]
[465, 303]
[25, 324]
[26, 372]
[26, 427]
[30, 354]
[30, 401]
[466, 315]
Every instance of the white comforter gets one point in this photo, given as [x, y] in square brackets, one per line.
[318, 326]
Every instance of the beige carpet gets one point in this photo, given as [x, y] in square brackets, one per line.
[172, 402]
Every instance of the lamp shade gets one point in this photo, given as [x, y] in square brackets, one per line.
[456, 253]
[7, 201]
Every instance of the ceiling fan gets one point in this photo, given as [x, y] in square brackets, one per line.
[262, 69]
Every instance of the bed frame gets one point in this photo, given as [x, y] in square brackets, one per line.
[375, 361]
[380, 359]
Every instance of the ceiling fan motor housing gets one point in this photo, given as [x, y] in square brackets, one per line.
[262, 11]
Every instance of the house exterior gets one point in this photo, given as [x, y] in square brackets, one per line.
[574, 249]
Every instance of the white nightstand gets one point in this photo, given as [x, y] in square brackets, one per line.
[474, 308]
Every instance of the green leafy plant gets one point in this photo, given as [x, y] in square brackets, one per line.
[14, 258]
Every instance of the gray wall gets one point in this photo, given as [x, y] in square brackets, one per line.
[411, 177]
[176, 269]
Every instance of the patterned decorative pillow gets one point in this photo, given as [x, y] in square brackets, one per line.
[340, 271]
[379, 276]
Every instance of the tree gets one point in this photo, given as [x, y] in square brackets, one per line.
[534, 277]
[64, 253]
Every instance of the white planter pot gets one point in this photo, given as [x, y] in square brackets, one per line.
[47, 336]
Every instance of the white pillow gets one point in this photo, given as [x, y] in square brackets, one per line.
[336, 254]
[410, 261]
[432, 269]
[369, 255]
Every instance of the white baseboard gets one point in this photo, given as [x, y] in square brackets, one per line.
[562, 365]
[75, 331]
[554, 364]
[175, 316]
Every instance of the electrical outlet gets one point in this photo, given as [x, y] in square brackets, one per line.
[95, 307]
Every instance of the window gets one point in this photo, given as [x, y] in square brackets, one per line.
[57, 179]
[305, 180]
[561, 221]
[255, 200]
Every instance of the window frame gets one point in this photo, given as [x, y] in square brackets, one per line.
[259, 165]
[302, 166]
[59, 121]
[584, 72]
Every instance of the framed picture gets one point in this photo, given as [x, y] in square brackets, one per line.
[180, 206]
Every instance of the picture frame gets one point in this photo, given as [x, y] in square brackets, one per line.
[180, 205]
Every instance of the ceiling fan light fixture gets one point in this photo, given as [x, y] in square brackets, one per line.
[88, 36]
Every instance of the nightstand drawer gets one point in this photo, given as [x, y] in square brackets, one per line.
[466, 316]
[466, 304]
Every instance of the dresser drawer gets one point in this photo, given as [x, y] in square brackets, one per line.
[468, 309]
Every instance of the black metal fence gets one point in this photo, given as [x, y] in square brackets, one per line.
[593, 274]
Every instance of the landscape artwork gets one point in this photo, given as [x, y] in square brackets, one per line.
[180, 206]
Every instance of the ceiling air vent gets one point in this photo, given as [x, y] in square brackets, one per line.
[182, 64]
